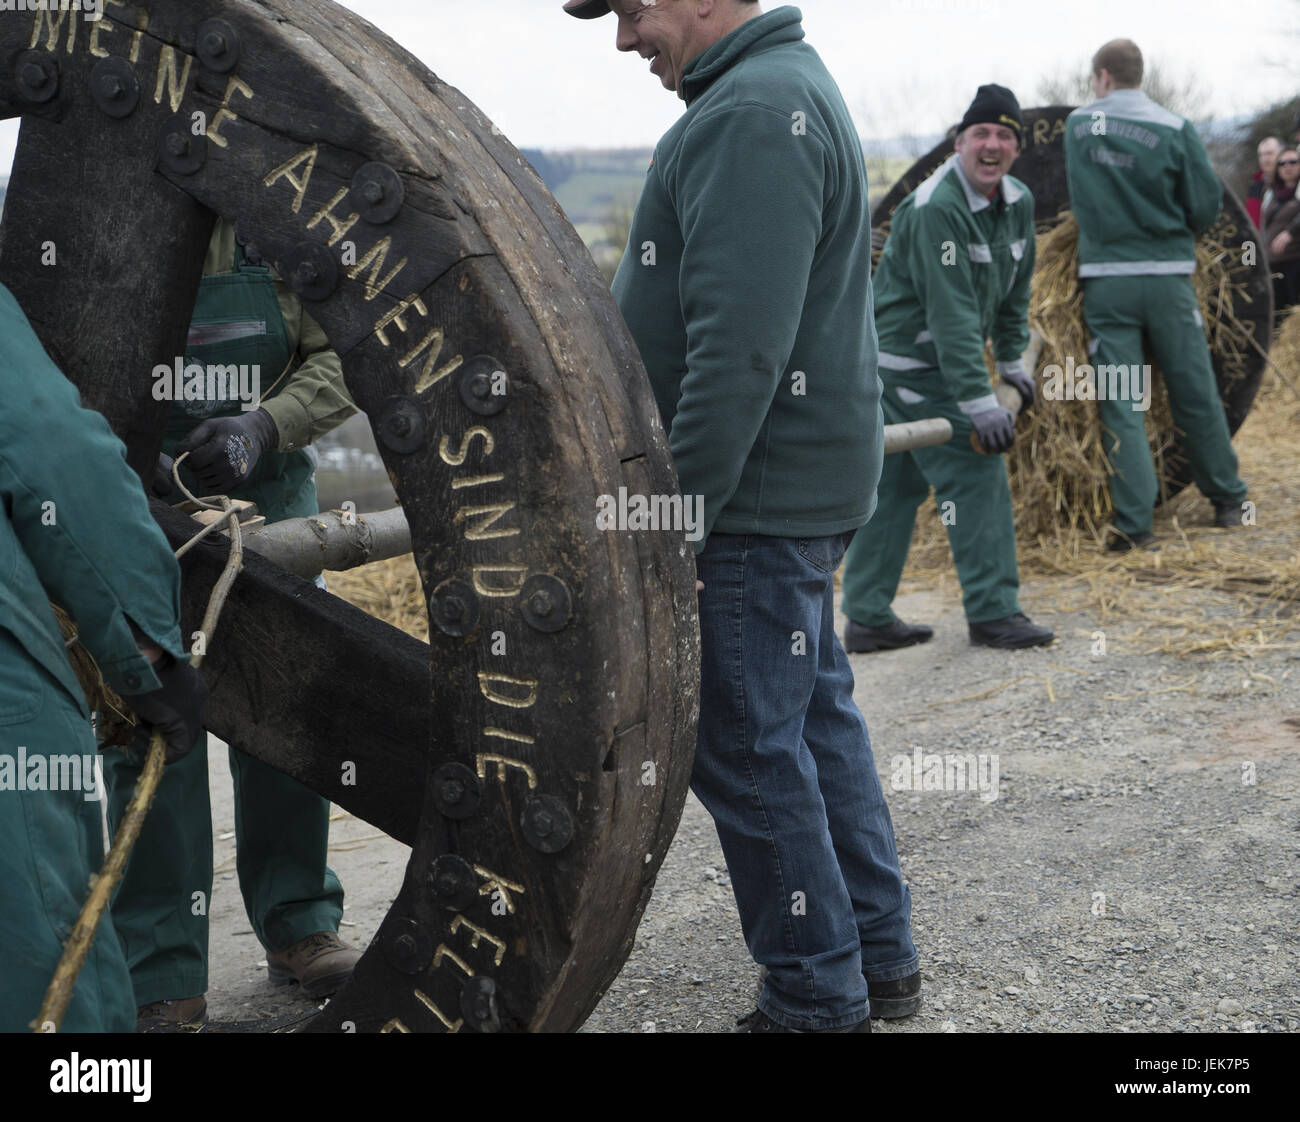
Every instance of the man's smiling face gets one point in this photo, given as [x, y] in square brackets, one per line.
[987, 153]
[669, 33]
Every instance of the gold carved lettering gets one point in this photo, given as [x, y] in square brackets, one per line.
[395, 316]
[223, 113]
[287, 170]
[376, 259]
[98, 28]
[488, 684]
[445, 951]
[427, 1002]
[498, 884]
[55, 18]
[477, 935]
[458, 458]
[168, 76]
[325, 215]
[503, 763]
[394, 1026]
[475, 481]
[518, 573]
[494, 512]
[138, 36]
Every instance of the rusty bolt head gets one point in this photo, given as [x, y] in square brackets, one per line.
[451, 791]
[541, 604]
[373, 191]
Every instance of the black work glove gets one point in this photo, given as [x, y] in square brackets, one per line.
[176, 711]
[1018, 378]
[995, 429]
[162, 477]
[225, 450]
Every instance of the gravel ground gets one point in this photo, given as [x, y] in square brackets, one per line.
[1136, 871]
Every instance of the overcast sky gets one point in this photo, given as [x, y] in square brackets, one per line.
[905, 66]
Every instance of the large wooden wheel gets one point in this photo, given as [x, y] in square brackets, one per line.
[535, 755]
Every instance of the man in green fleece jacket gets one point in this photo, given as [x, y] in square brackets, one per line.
[75, 528]
[955, 271]
[1142, 189]
[746, 285]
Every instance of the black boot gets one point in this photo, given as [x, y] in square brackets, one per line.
[1227, 514]
[891, 1000]
[1120, 542]
[1010, 634]
[893, 635]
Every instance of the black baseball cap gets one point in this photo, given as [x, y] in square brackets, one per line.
[587, 9]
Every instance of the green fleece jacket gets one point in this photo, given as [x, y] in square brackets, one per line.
[746, 285]
[74, 528]
[1141, 187]
[956, 271]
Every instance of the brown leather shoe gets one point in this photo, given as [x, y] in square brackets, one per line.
[320, 963]
[188, 1014]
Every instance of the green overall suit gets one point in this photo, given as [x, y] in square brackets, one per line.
[956, 270]
[243, 315]
[74, 527]
[1142, 187]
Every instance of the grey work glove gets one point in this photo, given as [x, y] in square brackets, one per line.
[175, 710]
[995, 429]
[225, 450]
[1015, 375]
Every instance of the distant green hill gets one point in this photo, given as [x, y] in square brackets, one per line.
[594, 187]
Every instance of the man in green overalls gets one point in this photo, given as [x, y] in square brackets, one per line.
[955, 271]
[1142, 188]
[74, 527]
[244, 316]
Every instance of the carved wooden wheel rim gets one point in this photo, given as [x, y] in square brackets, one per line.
[536, 754]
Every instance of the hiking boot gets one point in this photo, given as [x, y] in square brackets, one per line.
[1120, 542]
[1227, 514]
[320, 963]
[892, 1000]
[859, 639]
[758, 1021]
[186, 1014]
[1010, 634]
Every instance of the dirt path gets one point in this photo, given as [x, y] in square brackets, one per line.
[1137, 870]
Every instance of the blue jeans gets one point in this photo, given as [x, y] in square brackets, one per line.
[783, 764]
